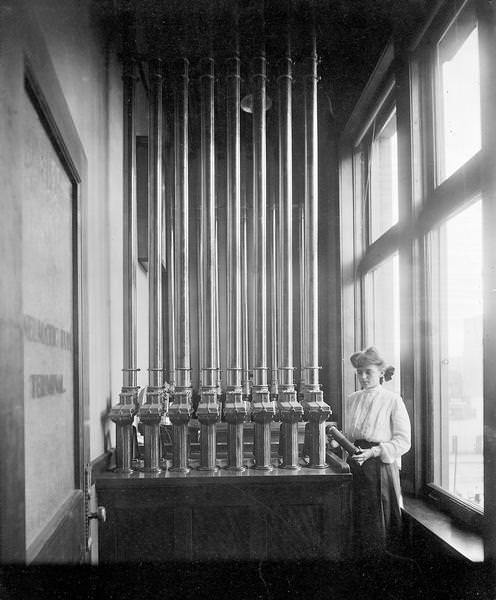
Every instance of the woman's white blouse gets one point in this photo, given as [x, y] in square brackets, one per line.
[379, 415]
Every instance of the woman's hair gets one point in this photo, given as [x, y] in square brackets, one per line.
[371, 356]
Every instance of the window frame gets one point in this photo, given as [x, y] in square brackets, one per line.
[369, 255]
[457, 508]
[368, 304]
[373, 253]
[386, 112]
[384, 109]
[437, 110]
[436, 204]
[405, 78]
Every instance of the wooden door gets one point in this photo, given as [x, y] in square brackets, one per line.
[43, 309]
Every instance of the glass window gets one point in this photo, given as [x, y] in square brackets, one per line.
[456, 320]
[382, 314]
[458, 130]
[383, 179]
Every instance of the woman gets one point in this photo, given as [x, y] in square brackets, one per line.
[377, 422]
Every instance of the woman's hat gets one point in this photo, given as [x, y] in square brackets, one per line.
[371, 356]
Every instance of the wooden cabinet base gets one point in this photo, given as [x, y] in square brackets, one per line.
[252, 515]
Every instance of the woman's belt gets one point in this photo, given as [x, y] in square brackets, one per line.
[365, 444]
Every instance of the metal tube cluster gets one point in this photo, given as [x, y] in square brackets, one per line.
[258, 267]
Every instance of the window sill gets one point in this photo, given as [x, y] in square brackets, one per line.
[464, 544]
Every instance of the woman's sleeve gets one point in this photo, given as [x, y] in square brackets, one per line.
[400, 434]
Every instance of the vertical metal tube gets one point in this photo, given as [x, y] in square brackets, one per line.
[302, 289]
[216, 297]
[180, 409]
[168, 237]
[303, 324]
[260, 207]
[181, 229]
[208, 408]
[155, 375]
[263, 408]
[199, 254]
[235, 409]
[316, 409]
[123, 413]
[244, 309]
[286, 223]
[171, 278]
[289, 408]
[274, 277]
[153, 408]
[129, 226]
[171, 300]
[311, 220]
[123, 443]
[274, 274]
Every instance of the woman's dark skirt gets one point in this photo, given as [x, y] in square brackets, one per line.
[376, 507]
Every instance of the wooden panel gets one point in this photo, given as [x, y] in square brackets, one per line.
[258, 532]
[433, 532]
[229, 526]
[296, 532]
[183, 533]
[47, 277]
[221, 516]
[146, 533]
[409, 308]
[61, 540]
[336, 537]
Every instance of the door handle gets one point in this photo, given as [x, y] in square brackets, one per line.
[100, 514]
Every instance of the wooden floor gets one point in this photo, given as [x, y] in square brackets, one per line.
[388, 579]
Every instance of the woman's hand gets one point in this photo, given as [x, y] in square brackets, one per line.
[363, 456]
